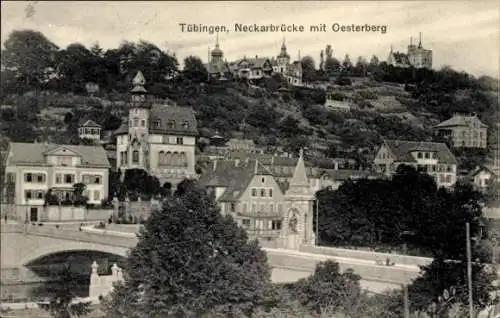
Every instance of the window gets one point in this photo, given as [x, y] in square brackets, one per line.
[39, 195]
[427, 155]
[143, 123]
[171, 123]
[28, 194]
[86, 179]
[245, 222]
[40, 178]
[262, 192]
[97, 195]
[157, 123]
[270, 193]
[276, 224]
[233, 207]
[254, 192]
[68, 178]
[28, 177]
[271, 208]
[136, 122]
[180, 141]
[448, 179]
[135, 157]
[97, 179]
[185, 125]
[58, 178]
[419, 155]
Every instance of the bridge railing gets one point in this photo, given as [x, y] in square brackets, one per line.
[76, 235]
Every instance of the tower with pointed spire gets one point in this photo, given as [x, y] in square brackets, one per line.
[416, 56]
[283, 59]
[138, 127]
[298, 218]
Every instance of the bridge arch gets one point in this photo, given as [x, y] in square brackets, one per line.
[70, 246]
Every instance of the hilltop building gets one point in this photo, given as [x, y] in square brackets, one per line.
[281, 212]
[252, 68]
[431, 157]
[157, 138]
[32, 169]
[482, 176]
[464, 131]
[416, 56]
[89, 129]
[217, 67]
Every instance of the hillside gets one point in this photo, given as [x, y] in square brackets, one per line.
[263, 111]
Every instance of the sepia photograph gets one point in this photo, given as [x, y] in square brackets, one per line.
[259, 159]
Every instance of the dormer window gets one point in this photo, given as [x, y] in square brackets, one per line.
[171, 123]
[157, 123]
[419, 155]
[427, 155]
[185, 125]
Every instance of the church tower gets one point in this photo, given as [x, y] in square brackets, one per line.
[138, 125]
[217, 53]
[298, 219]
[283, 59]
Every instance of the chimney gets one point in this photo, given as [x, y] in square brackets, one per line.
[247, 160]
[236, 162]
[256, 166]
[215, 164]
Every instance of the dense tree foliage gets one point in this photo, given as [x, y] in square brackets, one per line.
[190, 260]
[61, 303]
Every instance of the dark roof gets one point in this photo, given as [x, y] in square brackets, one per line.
[235, 178]
[90, 123]
[33, 154]
[256, 62]
[402, 150]
[176, 120]
[478, 169]
[400, 58]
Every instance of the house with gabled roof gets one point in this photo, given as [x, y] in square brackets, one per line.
[34, 168]
[254, 68]
[482, 176]
[279, 211]
[464, 131]
[432, 158]
[89, 129]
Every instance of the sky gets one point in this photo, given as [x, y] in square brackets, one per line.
[462, 34]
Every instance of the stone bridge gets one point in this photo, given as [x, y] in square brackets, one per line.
[23, 244]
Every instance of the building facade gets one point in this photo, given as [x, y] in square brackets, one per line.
[281, 212]
[416, 56]
[158, 138]
[34, 169]
[432, 158]
[89, 129]
[464, 131]
[253, 68]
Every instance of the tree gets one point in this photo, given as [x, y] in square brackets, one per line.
[329, 289]
[189, 261]
[289, 126]
[308, 69]
[194, 69]
[78, 189]
[28, 53]
[347, 64]
[361, 66]
[491, 196]
[61, 304]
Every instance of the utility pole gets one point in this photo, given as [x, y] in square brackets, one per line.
[406, 301]
[317, 221]
[469, 269]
